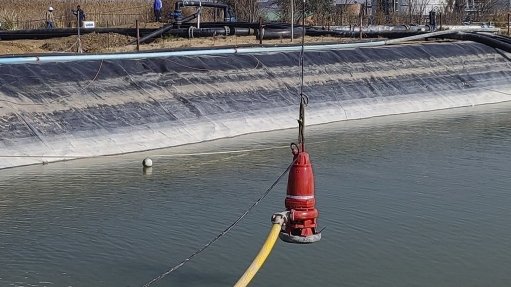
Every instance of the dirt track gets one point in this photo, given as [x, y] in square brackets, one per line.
[101, 43]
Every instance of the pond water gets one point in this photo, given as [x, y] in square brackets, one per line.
[411, 200]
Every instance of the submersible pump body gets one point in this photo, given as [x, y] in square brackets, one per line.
[300, 202]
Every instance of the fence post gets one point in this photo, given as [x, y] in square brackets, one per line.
[138, 36]
[79, 49]
[260, 30]
[361, 16]
[292, 20]
[508, 19]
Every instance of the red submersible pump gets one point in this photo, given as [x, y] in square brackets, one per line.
[300, 224]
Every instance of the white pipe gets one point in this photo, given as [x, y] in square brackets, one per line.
[427, 35]
[225, 51]
[96, 57]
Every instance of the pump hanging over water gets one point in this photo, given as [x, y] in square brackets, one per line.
[300, 224]
[301, 214]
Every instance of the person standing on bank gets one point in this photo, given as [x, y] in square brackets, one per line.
[157, 10]
[50, 19]
[80, 15]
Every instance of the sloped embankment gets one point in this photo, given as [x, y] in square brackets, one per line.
[58, 110]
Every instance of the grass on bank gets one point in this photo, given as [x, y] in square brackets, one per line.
[16, 14]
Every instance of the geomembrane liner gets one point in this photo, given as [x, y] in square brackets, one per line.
[92, 108]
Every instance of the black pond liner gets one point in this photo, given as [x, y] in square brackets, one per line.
[89, 108]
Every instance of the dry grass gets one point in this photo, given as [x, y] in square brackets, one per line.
[31, 14]
[91, 43]
[15, 14]
[100, 43]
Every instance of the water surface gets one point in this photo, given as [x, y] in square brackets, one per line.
[411, 200]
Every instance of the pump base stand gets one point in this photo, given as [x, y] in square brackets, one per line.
[289, 238]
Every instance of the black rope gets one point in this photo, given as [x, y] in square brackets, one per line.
[200, 250]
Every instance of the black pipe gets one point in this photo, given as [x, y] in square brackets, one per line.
[242, 31]
[366, 34]
[271, 34]
[190, 32]
[240, 25]
[500, 42]
[500, 38]
[199, 32]
[229, 15]
[155, 34]
[493, 42]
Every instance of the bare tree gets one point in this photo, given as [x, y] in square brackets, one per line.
[487, 9]
[246, 10]
[417, 10]
[284, 11]
[321, 11]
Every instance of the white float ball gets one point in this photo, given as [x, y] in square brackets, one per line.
[147, 162]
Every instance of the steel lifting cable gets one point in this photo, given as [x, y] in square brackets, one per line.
[303, 99]
[224, 232]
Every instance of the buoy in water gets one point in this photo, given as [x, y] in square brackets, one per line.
[147, 162]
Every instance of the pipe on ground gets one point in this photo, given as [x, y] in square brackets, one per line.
[494, 42]
[271, 34]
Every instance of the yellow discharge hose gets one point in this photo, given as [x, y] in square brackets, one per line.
[261, 256]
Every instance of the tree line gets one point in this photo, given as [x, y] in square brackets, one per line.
[348, 12]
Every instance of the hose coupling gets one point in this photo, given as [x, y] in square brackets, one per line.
[280, 217]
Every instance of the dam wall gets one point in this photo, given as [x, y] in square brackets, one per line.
[70, 109]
